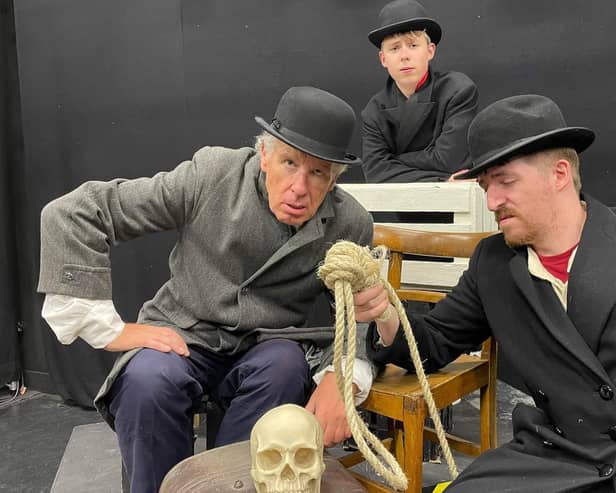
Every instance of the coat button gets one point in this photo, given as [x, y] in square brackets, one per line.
[606, 392]
[559, 431]
[612, 432]
[605, 470]
[68, 276]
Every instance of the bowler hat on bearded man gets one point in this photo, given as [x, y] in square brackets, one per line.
[315, 122]
[402, 16]
[518, 126]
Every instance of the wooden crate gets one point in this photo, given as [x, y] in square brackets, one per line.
[441, 206]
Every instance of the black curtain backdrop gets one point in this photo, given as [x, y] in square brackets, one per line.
[131, 87]
[10, 147]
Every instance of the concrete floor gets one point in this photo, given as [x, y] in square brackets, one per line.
[48, 446]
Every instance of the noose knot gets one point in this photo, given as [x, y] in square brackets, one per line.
[348, 262]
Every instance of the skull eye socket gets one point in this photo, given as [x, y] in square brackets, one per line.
[269, 459]
[305, 457]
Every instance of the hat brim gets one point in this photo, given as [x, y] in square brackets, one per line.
[348, 159]
[377, 36]
[578, 138]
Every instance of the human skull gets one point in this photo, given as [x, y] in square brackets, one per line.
[286, 449]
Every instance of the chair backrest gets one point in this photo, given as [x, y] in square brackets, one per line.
[402, 241]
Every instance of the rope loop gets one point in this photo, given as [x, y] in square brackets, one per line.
[347, 262]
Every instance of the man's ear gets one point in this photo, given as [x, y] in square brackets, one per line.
[263, 156]
[382, 58]
[562, 173]
[431, 50]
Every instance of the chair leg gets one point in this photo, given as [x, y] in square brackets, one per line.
[212, 423]
[125, 483]
[411, 459]
[487, 419]
[487, 412]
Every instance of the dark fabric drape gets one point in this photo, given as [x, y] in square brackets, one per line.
[94, 109]
[9, 354]
[131, 87]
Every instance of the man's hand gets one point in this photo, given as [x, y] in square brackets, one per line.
[373, 304]
[328, 407]
[148, 336]
[452, 178]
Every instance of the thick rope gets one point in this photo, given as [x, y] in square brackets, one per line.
[347, 269]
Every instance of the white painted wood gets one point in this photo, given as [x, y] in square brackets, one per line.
[466, 200]
[433, 275]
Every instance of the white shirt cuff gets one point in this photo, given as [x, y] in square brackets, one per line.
[96, 321]
[362, 377]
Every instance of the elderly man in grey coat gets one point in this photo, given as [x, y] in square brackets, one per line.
[253, 225]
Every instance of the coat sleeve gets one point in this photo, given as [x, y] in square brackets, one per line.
[444, 156]
[456, 325]
[378, 162]
[79, 228]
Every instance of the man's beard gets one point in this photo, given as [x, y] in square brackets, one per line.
[525, 237]
[513, 241]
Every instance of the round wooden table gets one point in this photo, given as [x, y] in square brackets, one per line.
[227, 470]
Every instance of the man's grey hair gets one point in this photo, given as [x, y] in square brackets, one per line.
[267, 140]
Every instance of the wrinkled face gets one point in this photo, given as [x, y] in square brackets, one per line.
[521, 195]
[296, 182]
[406, 57]
[286, 448]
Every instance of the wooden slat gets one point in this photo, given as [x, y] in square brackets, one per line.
[457, 443]
[420, 295]
[357, 457]
[427, 242]
[370, 485]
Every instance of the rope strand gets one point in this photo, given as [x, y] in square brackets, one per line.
[347, 269]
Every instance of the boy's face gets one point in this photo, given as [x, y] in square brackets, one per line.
[406, 58]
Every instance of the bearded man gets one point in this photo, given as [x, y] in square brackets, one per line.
[544, 289]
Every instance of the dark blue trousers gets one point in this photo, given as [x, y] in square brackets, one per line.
[154, 398]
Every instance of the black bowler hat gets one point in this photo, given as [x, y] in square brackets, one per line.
[401, 16]
[315, 122]
[518, 126]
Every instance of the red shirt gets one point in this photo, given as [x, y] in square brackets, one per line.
[557, 264]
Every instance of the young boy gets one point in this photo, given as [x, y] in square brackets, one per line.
[415, 128]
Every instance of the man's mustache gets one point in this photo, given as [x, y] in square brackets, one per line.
[504, 212]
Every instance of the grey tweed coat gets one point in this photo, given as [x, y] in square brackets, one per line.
[238, 276]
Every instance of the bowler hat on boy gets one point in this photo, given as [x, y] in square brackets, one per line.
[315, 122]
[401, 16]
[518, 126]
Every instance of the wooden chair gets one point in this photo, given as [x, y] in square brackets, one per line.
[397, 394]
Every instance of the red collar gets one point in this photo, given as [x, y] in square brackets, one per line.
[557, 264]
[422, 81]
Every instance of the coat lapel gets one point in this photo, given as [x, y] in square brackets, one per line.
[413, 113]
[518, 266]
[592, 273]
[552, 314]
[404, 117]
[310, 232]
